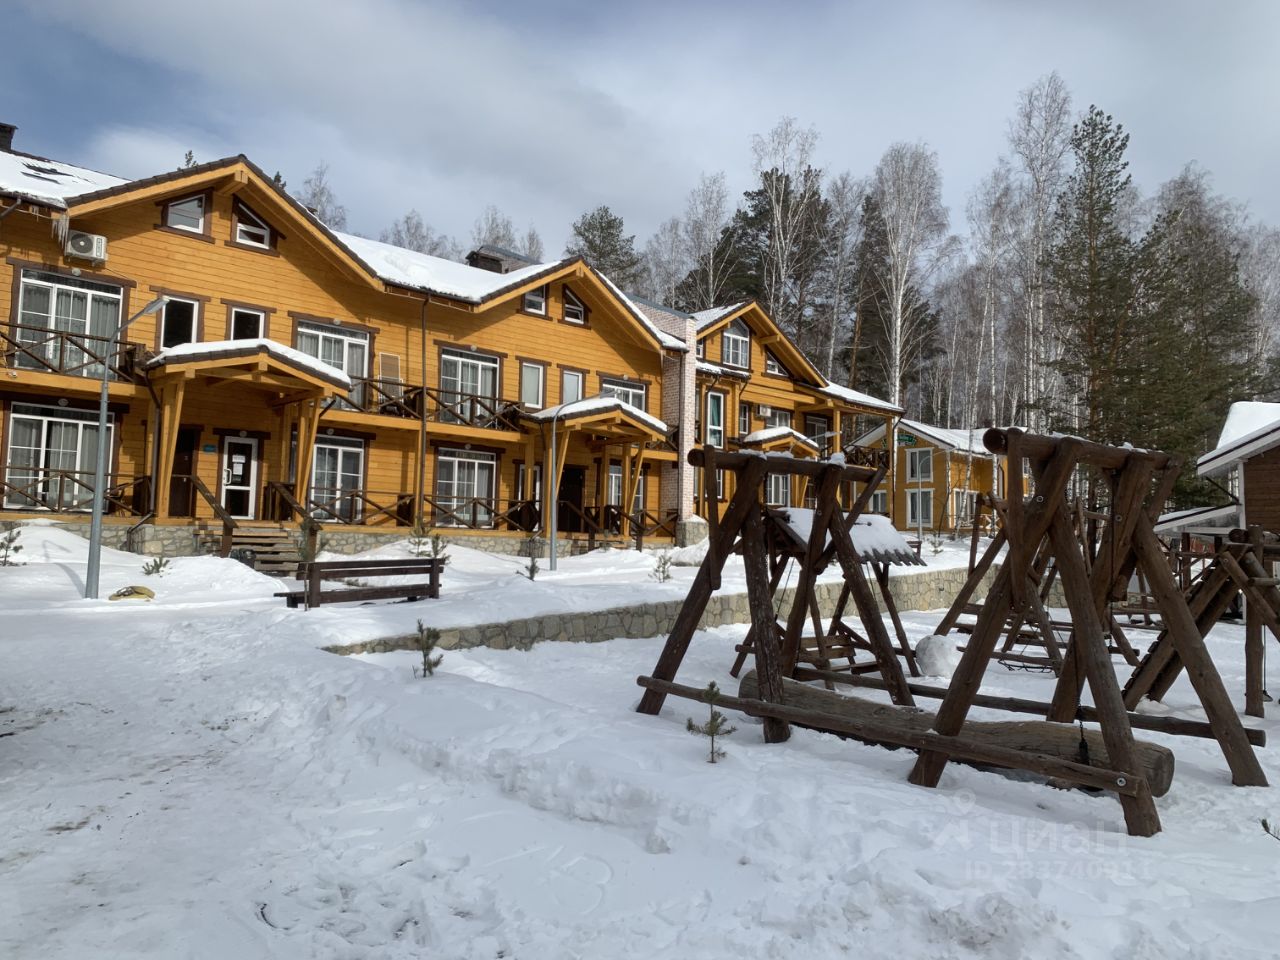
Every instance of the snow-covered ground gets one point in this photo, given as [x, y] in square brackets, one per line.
[193, 778]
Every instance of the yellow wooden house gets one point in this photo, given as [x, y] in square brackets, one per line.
[939, 474]
[296, 373]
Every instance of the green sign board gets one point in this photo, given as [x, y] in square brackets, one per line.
[906, 439]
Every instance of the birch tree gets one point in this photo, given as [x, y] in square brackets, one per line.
[414, 233]
[493, 228]
[1039, 136]
[705, 247]
[666, 261]
[908, 191]
[318, 197]
[844, 230]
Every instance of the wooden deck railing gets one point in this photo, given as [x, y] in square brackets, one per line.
[228, 522]
[71, 491]
[873, 457]
[65, 351]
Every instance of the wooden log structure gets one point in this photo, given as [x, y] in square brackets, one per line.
[1039, 737]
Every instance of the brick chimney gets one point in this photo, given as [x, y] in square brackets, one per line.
[7, 130]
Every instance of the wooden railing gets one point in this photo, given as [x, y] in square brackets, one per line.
[448, 406]
[228, 522]
[71, 491]
[65, 351]
[873, 457]
[281, 505]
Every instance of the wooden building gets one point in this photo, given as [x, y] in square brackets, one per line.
[1246, 465]
[297, 372]
[939, 473]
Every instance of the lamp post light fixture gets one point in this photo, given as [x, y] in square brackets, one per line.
[100, 464]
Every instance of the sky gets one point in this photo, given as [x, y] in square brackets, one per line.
[550, 109]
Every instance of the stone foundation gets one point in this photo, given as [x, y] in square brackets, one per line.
[928, 590]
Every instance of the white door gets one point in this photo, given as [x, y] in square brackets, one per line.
[240, 477]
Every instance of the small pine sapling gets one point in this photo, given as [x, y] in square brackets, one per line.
[9, 546]
[428, 638]
[661, 568]
[419, 539]
[717, 724]
[531, 568]
[436, 548]
[1270, 830]
[155, 566]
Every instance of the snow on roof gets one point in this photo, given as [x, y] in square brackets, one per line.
[963, 441]
[421, 271]
[1226, 518]
[874, 537]
[715, 370]
[666, 339]
[769, 434]
[49, 182]
[246, 348]
[1250, 428]
[859, 398]
[705, 318]
[577, 408]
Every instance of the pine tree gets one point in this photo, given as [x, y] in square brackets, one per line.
[428, 639]
[717, 724]
[9, 546]
[188, 161]
[599, 239]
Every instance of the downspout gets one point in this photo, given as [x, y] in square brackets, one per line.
[419, 511]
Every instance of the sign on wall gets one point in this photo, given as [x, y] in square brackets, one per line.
[906, 439]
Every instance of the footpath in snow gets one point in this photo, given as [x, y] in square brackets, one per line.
[193, 777]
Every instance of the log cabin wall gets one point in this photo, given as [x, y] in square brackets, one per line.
[1262, 490]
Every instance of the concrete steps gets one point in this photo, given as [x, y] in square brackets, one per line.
[275, 552]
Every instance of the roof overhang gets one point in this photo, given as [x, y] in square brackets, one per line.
[253, 365]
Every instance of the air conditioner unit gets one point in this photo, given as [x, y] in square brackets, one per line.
[764, 411]
[86, 246]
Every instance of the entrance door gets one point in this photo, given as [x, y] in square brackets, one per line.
[240, 476]
[181, 492]
[572, 484]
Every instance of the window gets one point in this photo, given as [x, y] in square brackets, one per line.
[771, 365]
[532, 381]
[179, 322]
[816, 429]
[879, 503]
[337, 474]
[468, 385]
[779, 418]
[715, 419]
[702, 350]
[186, 214]
[464, 488]
[962, 509]
[347, 350]
[574, 311]
[570, 386]
[52, 456]
[250, 229]
[744, 418]
[735, 346]
[247, 324]
[59, 317]
[614, 492]
[627, 392]
[778, 490]
[535, 301]
[920, 507]
[523, 490]
[719, 484]
[920, 465]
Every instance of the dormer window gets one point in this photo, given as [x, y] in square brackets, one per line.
[735, 347]
[535, 302]
[771, 365]
[574, 311]
[250, 229]
[186, 214]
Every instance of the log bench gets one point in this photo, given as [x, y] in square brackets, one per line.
[315, 574]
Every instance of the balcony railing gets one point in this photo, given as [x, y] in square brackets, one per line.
[397, 399]
[68, 352]
[71, 491]
[873, 457]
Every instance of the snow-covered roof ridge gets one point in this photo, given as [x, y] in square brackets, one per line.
[715, 370]
[770, 434]
[234, 348]
[858, 397]
[577, 408]
[1251, 427]
[49, 182]
[422, 271]
[705, 318]
[667, 340]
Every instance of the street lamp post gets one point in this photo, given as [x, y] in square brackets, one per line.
[100, 461]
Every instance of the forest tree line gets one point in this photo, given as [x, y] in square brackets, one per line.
[1069, 301]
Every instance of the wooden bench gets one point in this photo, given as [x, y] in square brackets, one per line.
[314, 574]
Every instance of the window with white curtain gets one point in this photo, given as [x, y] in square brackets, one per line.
[52, 456]
[336, 474]
[59, 318]
[341, 348]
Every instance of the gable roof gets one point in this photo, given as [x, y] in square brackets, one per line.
[704, 319]
[961, 441]
[1251, 427]
[858, 398]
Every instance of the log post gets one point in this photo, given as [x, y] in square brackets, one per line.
[760, 600]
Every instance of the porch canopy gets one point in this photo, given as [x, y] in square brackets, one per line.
[787, 441]
[297, 385]
[604, 421]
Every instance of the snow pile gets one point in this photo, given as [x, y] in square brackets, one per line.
[937, 656]
[49, 182]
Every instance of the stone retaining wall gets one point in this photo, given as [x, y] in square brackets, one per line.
[927, 590]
